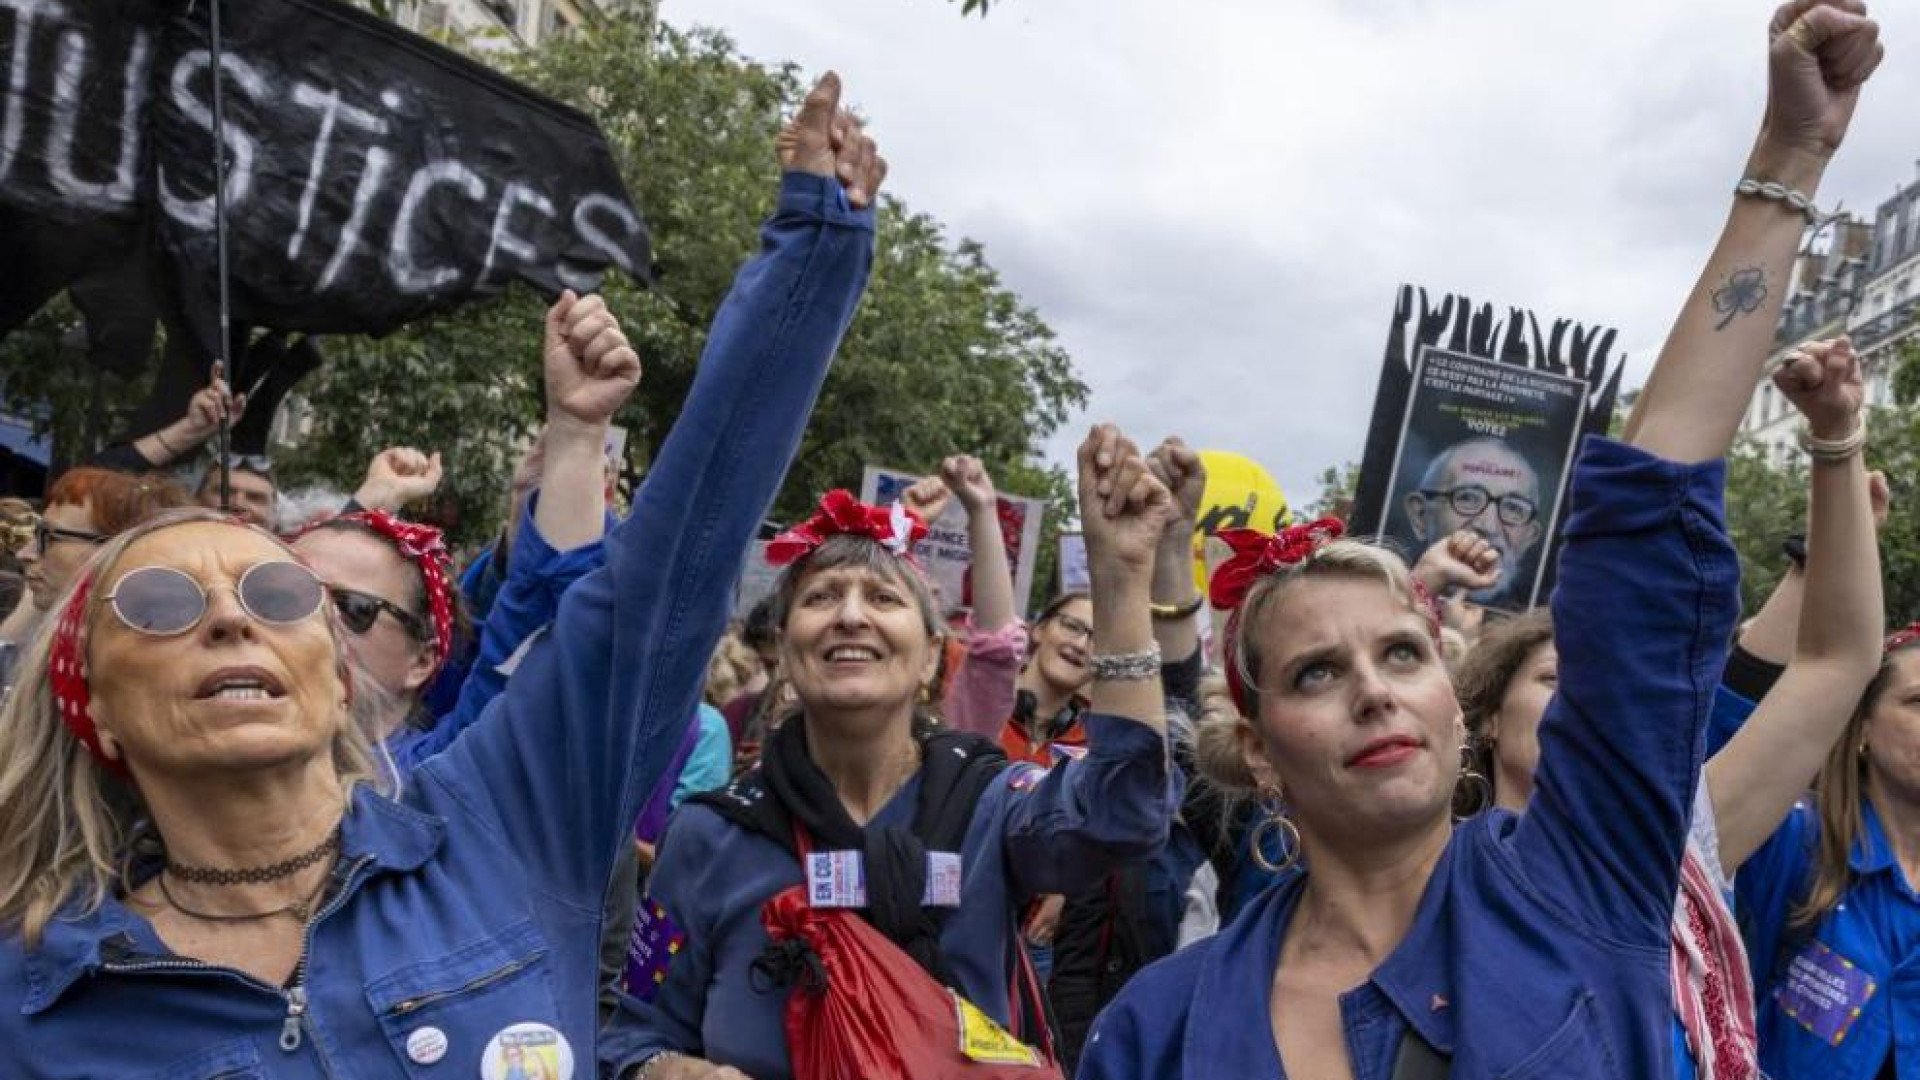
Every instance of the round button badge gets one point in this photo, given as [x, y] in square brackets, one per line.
[528, 1051]
[426, 1045]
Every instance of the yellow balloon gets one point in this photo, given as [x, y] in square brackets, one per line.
[1240, 494]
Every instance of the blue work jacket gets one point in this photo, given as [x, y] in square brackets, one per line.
[473, 903]
[1539, 947]
[1033, 832]
[1836, 998]
[538, 575]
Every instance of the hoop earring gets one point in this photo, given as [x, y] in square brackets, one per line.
[1275, 819]
[1479, 792]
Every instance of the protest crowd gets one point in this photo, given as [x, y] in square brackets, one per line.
[285, 791]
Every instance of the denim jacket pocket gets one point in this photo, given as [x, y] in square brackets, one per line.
[1577, 1049]
[439, 1015]
[236, 1060]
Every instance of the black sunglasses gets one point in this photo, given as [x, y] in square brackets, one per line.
[163, 601]
[44, 535]
[359, 611]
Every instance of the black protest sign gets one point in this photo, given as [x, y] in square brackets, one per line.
[372, 176]
[1475, 423]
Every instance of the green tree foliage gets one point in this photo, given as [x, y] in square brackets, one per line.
[1337, 485]
[942, 357]
[1765, 505]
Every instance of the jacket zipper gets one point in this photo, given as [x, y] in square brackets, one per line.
[296, 995]
[413, 1004]
[290, 1034]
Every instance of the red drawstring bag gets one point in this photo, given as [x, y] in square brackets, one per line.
[862, 1009]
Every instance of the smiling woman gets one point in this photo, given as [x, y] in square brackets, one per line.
[923, 830]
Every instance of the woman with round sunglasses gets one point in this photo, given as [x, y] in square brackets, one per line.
[201, 875]
[1532, 945]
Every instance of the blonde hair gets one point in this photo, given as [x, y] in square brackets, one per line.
[1217, 753]
[1839, 793]
[729, 670]
[66, 827]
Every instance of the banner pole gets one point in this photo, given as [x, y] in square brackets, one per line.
[222, 368]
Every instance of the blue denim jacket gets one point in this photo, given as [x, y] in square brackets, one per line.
[475, 902]
[1834, 999]
[1539, 948]
[538, 575]
[1032, 833]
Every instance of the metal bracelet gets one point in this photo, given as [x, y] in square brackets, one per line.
[1127, 667]
[1779, 192]
[1835, 449]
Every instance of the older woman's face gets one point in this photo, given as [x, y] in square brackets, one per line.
[1357, 720]
[156, 700]
[856, 640]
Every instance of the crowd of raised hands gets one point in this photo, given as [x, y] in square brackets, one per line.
[291, 788]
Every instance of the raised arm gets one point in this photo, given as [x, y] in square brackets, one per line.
[990, 572]
[590, 371]
[1646, 596]
[1114, 803]
[1177, 603]
[1754, 781]
[587, 725]
[1820, 53]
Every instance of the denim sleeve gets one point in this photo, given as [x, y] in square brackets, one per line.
[1068, 827]
[1643, 612]
[537, 576]
[561, 761]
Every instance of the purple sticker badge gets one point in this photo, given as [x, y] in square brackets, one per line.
[1824, 991]
[1024, 775]
[651, 949]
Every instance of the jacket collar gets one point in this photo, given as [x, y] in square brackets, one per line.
[1235, 984]
[391, 837]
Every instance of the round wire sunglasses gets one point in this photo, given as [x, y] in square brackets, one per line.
[162, 601]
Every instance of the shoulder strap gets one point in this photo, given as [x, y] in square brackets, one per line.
[1418, 1060]
[746, 803]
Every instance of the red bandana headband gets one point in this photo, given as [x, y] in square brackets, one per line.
[1904, 638]
[1257, 555]
[426, 548]
[895, 528]
[67, 677]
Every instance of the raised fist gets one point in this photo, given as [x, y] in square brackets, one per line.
[826, 140]
[1185, 476]
[967, 478]
[1820, 53]
[397, 476]
[1464, 561]
[590, 368]
[1823, 380]
[1123, 509]
[927, 497]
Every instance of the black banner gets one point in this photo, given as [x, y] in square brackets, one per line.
[373, 176]
[1474, 425]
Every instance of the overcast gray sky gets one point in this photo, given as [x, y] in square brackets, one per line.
[1212, 201]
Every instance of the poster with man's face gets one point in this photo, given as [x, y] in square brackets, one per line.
[1485, 447]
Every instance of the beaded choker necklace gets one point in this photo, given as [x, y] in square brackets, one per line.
[257, 875]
